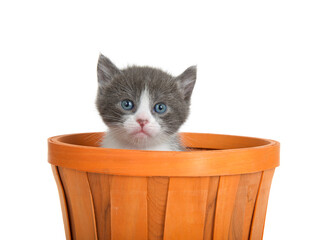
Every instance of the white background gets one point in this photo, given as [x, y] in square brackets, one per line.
[265, 69]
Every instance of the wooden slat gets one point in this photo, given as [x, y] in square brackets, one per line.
[100, 189]
[63, 201]
[258, 222]
[128, 207]
[244, 206]
[156, 199]
[186, 206]
[210, 208]
[226, 198]
[80, 204]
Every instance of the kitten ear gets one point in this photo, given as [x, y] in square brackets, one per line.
[186, 81]
[106, 70]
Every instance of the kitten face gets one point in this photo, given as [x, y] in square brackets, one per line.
[143, 105]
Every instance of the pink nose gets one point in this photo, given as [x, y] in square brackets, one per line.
[142, 122]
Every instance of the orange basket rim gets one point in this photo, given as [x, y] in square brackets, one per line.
[212, 155]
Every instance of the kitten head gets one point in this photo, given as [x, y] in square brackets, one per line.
[143, 105]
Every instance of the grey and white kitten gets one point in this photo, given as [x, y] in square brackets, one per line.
[143, 107]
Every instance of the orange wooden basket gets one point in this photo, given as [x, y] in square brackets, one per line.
[218, 190]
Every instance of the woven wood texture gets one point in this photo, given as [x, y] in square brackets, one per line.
[101, 206]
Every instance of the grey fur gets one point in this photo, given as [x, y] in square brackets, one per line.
[106, 70]
[116, 85]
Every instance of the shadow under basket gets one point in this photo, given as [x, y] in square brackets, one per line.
[217, 190]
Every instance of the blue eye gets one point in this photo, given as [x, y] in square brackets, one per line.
[160, 108]
[127, 104]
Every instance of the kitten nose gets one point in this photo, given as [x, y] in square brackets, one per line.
[142, 122]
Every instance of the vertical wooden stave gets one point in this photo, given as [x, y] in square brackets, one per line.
[210, 208]
[100, 189]
[64, 206]
[128, 196]
[80, 204]
[226, 197]
[186, 206]
[157, 192]
[259, 215]
[244, 205]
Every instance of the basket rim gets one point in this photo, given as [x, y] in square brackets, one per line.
[246, 155]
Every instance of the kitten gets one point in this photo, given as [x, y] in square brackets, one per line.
[143, 107]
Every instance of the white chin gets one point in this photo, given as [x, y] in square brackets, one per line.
[141, 138]
[141, 135]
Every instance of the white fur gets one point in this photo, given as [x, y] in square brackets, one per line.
[127, 136]
[110, 141]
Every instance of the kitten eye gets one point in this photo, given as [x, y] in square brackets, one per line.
[160, 108]
[127, 104]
